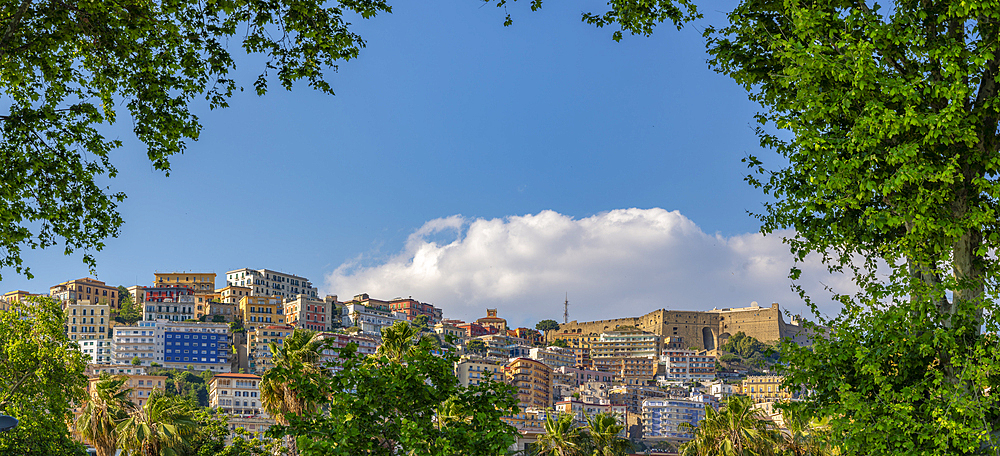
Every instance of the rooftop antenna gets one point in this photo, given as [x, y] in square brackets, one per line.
[566, 309]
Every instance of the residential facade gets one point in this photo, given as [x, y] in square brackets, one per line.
[87, 324]
[198, 282]
[314, 314]
[662, 419]
[684, 365]
[555, 357]
[258, 346]
[86, 289]
[258, 311]
[173, 303]
[473, 370]
[369, 319]
[766, 388]
[413, 308]
[626, 344]
[203, 346]
[144, 342]
[533, 380]
[265, 282]
[235, 394]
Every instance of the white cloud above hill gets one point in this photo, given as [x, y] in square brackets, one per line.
[625, 262]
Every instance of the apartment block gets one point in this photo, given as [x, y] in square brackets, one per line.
[766, 388]
[231, 294]
[625, 344]
[662, 419]
[86, 289]
[580, 376]
[12, 297]
[369, 319]
[631, 371]
[203, 346]
[256, 311]
[554, 357]
[684, 365]
[235, 394]
[581, 410]
[87, 324]
[173, 303]
[413, 308]
[198, 282]
[258, 346]
[265, 282]
[314, 314]
[143, 341]
[219, 312]
[533, 380]
[472, 370]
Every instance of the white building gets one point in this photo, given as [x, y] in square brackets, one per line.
[684, 365]
[168, 303]
[555, 357]
[235, 394]
[143, 341]
[265, 282]
[369, 320]
[661, 419]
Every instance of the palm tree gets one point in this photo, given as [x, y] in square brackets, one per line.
[602, 431]
[451, 412]
[401, 339]
[159, 428]
[736, 430]
[300, 352]
[107, 406]
[297, 359]
[561, 437]
[804, 436]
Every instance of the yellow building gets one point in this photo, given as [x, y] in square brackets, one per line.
[766, 388]
[493, 323]
[85, 289]
[11, 297]
[202, 301]
[533, 380]
[199, 282]
[231, 294]
[256, 311]
[87, 324]
[258, 349]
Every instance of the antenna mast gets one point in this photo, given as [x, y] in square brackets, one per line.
[566, 309]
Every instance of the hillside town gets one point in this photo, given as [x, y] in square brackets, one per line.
[654, 373]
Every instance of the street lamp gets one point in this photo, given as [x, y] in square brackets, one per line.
[7, 423]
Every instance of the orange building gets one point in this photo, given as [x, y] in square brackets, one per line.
[86, 289]
[533, 380]
[198, 282]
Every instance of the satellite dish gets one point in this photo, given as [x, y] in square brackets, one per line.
[7, 423]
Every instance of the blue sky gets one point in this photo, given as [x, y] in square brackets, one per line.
[448, 118]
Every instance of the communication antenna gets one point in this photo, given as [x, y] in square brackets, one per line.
[566, 309]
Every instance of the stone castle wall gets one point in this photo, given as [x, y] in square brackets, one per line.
[699, 329]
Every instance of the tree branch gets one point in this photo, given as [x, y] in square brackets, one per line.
[15, 23]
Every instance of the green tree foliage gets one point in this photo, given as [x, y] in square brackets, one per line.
[210, 439]
[421, 323]
[547, 325]
[162, 427]
[891, 113]
[600, 437]
[41, 373]
[129, 312]
[736, 430]
[746, 346]
[69, 68]
[184, 384]
[412, 404]
[106, 406]
[401, 338]
[477, 346]
[560, 343]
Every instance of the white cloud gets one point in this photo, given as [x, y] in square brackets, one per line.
[620, 263]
